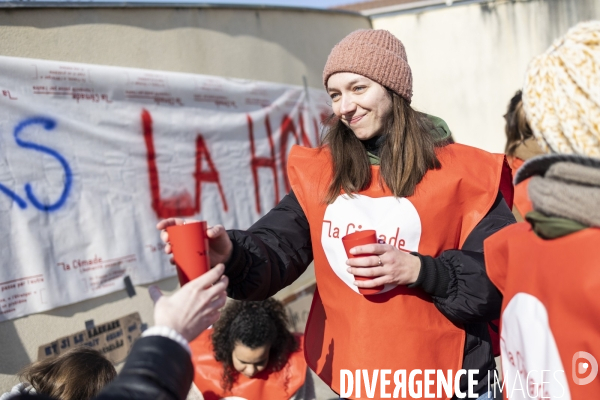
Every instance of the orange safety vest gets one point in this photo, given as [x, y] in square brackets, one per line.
[399, 328]
[280, 385]
[521, 198]
[550, 312]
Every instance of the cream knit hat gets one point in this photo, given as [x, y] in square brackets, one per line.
[561, 95]
[376, 54]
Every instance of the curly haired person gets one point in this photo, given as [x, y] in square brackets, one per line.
[250, 353]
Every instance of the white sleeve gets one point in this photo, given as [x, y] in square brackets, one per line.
[170, 333]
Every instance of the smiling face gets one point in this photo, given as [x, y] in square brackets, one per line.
[362, 104]
[249, 361]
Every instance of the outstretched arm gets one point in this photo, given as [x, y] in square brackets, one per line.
[270, 255]
[263, 259]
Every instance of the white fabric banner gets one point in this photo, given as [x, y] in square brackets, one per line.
[92, 157]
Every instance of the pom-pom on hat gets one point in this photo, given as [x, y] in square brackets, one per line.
[561, 95]
[376, 54]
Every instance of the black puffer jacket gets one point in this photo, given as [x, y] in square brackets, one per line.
[277, 249]
[157, 368]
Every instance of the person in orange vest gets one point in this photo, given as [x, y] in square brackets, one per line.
[251, 354]
[431, 204]
[520, 146]
[547, 267]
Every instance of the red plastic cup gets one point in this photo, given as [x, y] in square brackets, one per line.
[358, 239]
[189, 244]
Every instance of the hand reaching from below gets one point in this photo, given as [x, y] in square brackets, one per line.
[194, 307]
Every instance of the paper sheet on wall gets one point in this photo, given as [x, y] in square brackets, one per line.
[92, 157]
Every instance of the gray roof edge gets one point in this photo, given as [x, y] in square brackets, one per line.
[416, 6]
[166, 4]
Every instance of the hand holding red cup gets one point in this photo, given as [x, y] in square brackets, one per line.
[189, 243]
[360, 238]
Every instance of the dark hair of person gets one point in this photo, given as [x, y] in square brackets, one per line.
[407, 153]
[78, 374]
[517, 129]
[253, 324]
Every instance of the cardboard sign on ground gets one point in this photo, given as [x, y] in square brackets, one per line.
[114, 339]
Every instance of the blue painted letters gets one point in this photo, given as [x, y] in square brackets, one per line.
[48, 125]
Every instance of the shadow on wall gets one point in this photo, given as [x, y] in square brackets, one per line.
[13, 351]
[560, 14]
[13, 357]
[69, 311]
[167, 285]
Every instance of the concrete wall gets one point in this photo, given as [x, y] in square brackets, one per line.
[261, 44]
[468, 60]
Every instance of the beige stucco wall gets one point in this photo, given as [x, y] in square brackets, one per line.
[469, 60]
[261, 44]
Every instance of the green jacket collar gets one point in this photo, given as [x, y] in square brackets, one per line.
[548, 227]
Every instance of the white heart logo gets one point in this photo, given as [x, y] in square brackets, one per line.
[529, 350]
[395, 220]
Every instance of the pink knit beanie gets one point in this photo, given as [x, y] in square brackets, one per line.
[376, 54]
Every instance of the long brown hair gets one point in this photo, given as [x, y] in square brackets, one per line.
[407, 153]
[78, 374]
[517, 129]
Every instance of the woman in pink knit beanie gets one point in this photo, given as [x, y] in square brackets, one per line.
[414, 299]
